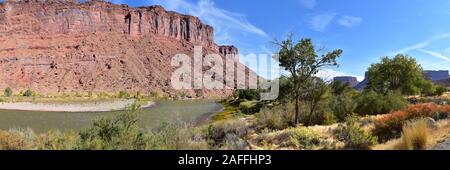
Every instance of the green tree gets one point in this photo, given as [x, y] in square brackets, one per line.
[401, 73]
[440, 90]
[8, 92]
[28, 93]
[302, 62]
[319, 92]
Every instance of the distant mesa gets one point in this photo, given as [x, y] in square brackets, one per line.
[436, 75]
[353, 81]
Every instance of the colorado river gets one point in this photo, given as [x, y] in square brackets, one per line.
[164, 111]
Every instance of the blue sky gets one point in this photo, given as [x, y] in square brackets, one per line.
[364, 30]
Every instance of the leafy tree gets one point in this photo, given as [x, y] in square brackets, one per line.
[247, 94]
[401, 73]
[320, 92]
[373, 103]
[339, 88]
[285, 92]
[28, 93]
[8, 92]
[302, 62]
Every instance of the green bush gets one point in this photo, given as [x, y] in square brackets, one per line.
[247, 94]
[8, 92]
[353, 136]
[250, 107]
[124, 94]
[277, 117]
[218, 131]
[303, 138]
[322, 115]
[28, 93]
[118, 133]
[440, 90]
[56, 140]
[342, 106]
[293, 138]
[177, 136]
[372, 103]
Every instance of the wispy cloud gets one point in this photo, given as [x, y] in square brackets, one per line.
[320, 22]
[447, 50]
[308, 4]
[349, 21]
[436, 54]
[421, 45]
[222, 20]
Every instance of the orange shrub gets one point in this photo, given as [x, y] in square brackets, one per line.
[390, 125]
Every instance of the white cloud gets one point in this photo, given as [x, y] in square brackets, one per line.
[435, 54]
[309, 4]
[447, 50]
[222, 20]
[420, 44]
[329, 74]
[349, 21]
[320, 22]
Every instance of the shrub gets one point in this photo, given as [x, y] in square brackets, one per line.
[342, 106]
[11, 140]
[293, 138]
[118, 133]
[124, 94]
[28, 93]
[176, 136]
[56, 140]
[8, 92]
[303, 138]
[440, 90]
[219, 130]
[372, 103]
[250, 107]
[390, 126]
[277, 117]
[154, 94]
[415, 135]
[247, 94]
[234, 142]
[353, 136]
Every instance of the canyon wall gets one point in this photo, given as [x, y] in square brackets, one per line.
[66, 17]
[60, 46]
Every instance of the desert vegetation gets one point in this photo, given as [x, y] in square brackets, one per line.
[399, 109]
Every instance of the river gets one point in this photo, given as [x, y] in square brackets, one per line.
[164, 111]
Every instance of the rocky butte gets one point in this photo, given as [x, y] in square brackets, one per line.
[56, 46]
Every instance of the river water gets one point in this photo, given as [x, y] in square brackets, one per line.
[164, 111]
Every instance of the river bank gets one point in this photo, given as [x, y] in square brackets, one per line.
[94, 106]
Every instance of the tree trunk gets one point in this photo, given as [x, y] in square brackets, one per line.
[297, 110]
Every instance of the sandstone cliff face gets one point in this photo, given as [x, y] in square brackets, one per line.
[55, 47]
[65, 17]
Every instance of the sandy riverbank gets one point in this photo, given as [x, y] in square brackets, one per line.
[101, 106]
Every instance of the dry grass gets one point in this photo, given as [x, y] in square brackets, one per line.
[435, 136]
[299, 138]
[415, 135]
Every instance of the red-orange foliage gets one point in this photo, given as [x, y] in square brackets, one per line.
[391, 125]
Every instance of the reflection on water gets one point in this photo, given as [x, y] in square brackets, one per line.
[164, 111]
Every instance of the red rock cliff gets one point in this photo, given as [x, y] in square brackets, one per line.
[37, 17]
[62, 46]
